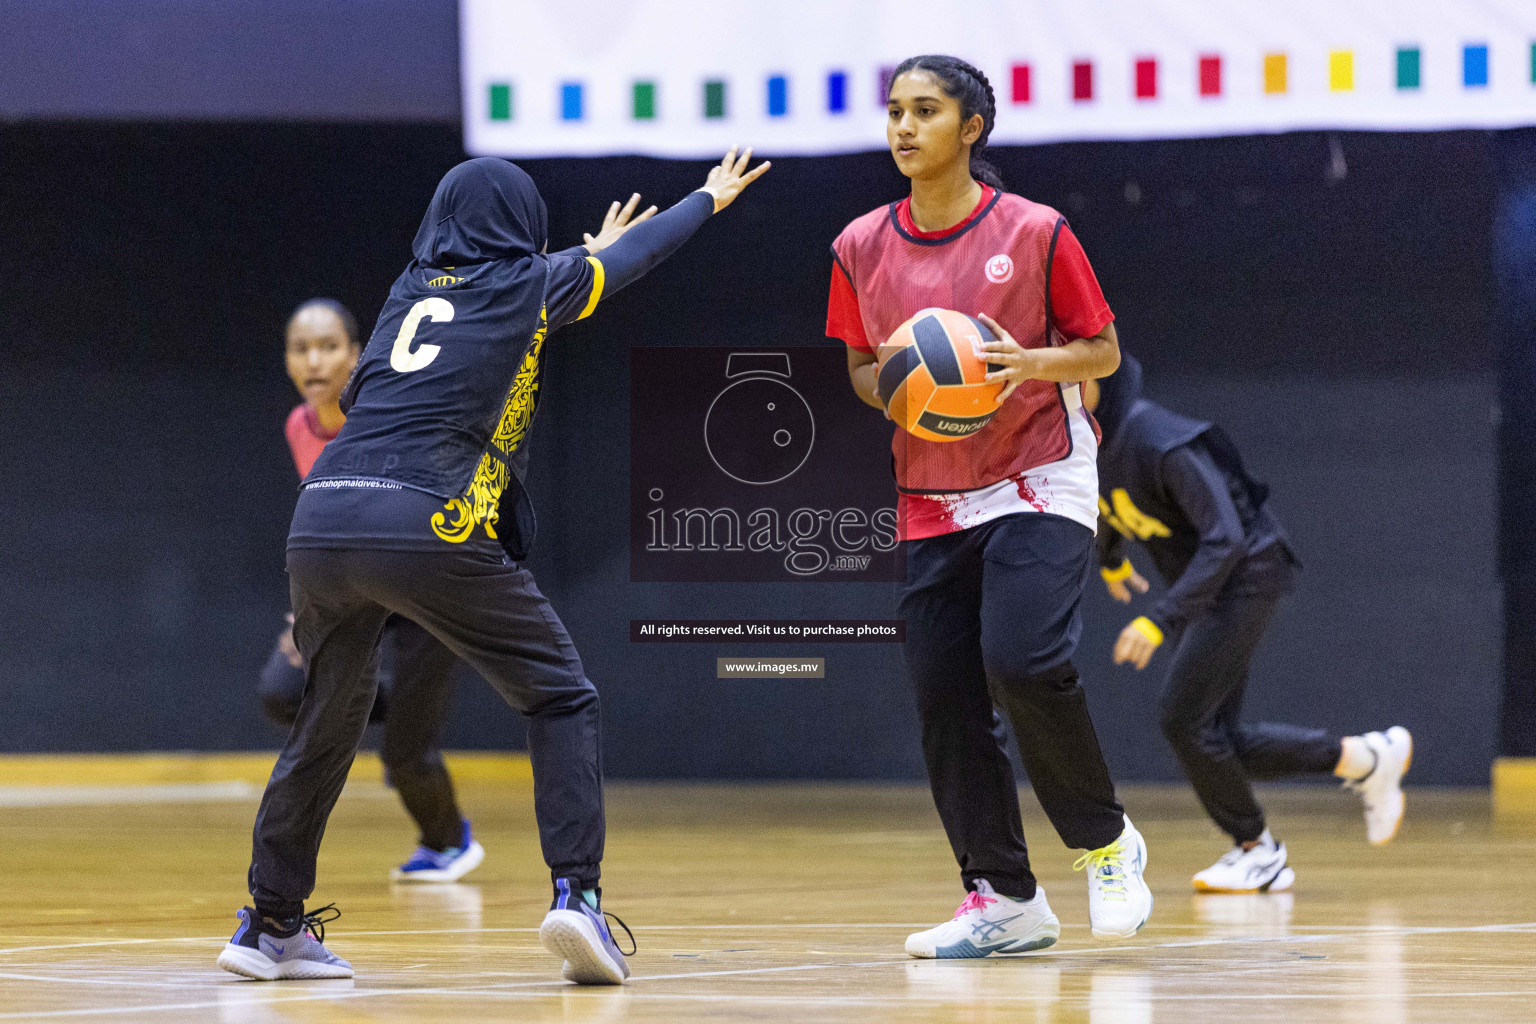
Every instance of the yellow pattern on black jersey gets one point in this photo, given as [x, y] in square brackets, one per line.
[599, 275]
[1130, 521]
[480, 505]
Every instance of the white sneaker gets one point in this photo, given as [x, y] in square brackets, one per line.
[1381, 791]
[1261, 869]
[1119, 902]
[989, 922]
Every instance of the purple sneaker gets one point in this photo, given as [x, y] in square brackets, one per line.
[259, 951]
[577, 932]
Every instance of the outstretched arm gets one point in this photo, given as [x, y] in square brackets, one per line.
[643, 248]
[616, 222]
[649, 240]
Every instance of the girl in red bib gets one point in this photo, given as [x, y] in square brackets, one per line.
[999, 526]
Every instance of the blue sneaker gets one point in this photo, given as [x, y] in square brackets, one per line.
[259, 951]
[450, 865]
[576, 931]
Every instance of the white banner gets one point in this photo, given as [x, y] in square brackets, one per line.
[688, 78]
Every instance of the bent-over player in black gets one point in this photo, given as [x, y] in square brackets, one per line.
[1178, 486]
[417, 508]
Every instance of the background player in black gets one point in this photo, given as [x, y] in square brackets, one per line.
[415, 670]
[418, 509]
[1178, 486]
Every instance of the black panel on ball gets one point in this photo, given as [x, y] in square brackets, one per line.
[938, 354]
[898, 367]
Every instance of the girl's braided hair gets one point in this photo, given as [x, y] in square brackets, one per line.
[966, 83]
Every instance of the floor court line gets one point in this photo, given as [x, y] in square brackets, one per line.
[566, 991]
[96, 943]
[1300, 932]
[1367, 930]
[1364, 929]
[532, 989]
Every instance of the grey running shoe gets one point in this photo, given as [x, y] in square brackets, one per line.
[578, 934]
[258, 951]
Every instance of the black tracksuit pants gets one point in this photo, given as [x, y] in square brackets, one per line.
[488, 612]
[414, 693]
[1201, 716]
[993, 618]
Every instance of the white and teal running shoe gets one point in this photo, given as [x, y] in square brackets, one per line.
[260, 951]
[989, 922]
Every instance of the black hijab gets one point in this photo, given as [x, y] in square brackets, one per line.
[484, 209]
[1117, 393]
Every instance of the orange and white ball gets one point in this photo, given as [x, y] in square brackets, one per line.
[932, 376]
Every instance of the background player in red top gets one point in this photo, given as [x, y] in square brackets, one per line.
[1000, 525]
[416, 684]
[321, 349]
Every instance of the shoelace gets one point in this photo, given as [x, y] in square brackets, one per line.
[974, 901]
[1108, 864]
[633, 945]
[315, 921]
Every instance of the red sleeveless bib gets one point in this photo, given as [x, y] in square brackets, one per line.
[995, 264]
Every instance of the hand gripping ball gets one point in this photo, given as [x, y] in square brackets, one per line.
[932, 376]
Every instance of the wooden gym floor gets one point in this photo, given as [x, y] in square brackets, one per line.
[781, 903]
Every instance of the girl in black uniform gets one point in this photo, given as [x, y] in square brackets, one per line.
[414, 693]
[417, 508]
[1178, 486]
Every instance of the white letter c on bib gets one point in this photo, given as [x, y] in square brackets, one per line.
[401, 357]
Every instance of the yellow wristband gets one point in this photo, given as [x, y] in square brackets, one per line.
[1149, 629]
[1116, 575]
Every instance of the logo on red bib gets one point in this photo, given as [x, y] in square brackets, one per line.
[999, 268]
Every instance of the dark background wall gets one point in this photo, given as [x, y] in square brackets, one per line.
[350, 60]
[1327, 298]
[1514, 311]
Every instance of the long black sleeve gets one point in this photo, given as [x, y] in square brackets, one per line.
[1111, 546]
[645, 245]
[1194, 482]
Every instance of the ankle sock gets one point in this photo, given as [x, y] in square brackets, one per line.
[282, 926]
[1356, 759]
[1010, 895]
[590, 895]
